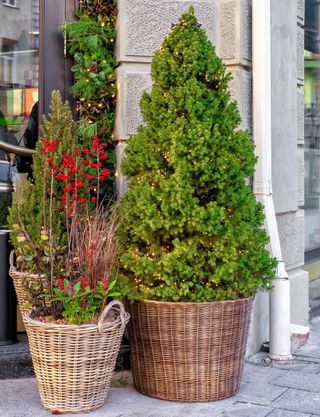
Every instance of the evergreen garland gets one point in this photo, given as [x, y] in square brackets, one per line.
[192, 229]
[91, 40]
[98, 7]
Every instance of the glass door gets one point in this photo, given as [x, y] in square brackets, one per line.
[19, 95]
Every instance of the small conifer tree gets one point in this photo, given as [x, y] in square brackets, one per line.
[27, 206]
[192, 229]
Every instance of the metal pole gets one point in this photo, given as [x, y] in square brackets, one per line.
[8, 301]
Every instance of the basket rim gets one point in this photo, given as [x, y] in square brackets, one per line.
[192, 303]
[14, 270]
[72, 327]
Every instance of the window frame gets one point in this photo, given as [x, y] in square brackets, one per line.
[7, 3]
[53, 13]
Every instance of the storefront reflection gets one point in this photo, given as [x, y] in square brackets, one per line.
[19, 79]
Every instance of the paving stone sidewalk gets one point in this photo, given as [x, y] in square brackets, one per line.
[274, 391]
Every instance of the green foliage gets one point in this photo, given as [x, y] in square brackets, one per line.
[91, 43]
[58, 125]
[119, 383]
[98, 7]
[27, 209]
[81, 304]
[60, 229]
[91, 40]
[192, 229]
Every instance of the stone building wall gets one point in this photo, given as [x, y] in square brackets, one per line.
[142, 25]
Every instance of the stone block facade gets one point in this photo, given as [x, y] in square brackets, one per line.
[300, 111]
[142, 26]
[300, 11]
[132, 79]
[234, 43]
[291, 233]
[241, 90]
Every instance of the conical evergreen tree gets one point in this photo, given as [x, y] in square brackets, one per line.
[27, 206]
[192, 229]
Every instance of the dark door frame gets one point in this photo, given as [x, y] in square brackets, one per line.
[54, 67]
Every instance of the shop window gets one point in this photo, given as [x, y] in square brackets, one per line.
[11, 3]
[19, 70]
[7, 62]
[312, 129]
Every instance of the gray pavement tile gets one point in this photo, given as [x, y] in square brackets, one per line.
[256, 373]
[20, 398]
[315, 323]
[297, 400]
[296, 366]
[286, 413]
[129, 396]
[311, 352]
[133, 400]
[262, 393]
[261, 358]
[119, 412]
[299, 380]
[311, 349]
[312, 368]
[246, 410]
[308, 359]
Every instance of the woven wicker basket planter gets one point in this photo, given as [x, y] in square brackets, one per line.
[74, 364]
[188, 352]
[18, 278]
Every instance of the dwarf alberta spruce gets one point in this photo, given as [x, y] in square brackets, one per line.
[192, 229]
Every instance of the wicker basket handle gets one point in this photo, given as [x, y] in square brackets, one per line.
[106, 311]
[11, 258]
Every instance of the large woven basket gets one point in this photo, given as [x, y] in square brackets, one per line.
[18, 279]
[188, 352]
[74, 364]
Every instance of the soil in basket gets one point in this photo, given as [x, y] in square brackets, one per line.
[50, 319]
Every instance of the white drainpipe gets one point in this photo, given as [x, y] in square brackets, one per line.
[279, 310]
